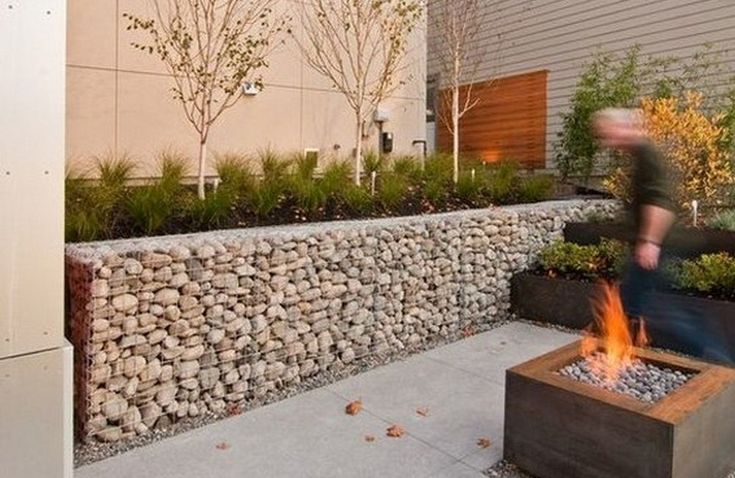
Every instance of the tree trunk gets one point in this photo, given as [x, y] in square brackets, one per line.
[202, 164]
[455, 135]
[358, 150]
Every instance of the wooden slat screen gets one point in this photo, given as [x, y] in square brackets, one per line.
[509, 122]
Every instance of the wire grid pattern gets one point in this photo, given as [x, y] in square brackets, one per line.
[165, 334]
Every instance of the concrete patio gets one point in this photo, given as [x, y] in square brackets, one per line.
[460, 386]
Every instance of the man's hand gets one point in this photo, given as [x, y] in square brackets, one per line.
[647, 255]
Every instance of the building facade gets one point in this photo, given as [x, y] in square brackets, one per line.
[554, 38]
[119, 99]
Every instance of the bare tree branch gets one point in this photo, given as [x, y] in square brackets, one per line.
[210, 47]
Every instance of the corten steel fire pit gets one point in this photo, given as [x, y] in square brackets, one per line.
[558, 427]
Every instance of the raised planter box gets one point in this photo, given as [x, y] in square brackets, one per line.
[685, 242]
[556, 427]
[567, 303]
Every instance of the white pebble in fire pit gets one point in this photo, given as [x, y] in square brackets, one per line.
[643, 381]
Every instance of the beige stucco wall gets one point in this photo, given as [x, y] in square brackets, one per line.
[560, 35]
[119, 99]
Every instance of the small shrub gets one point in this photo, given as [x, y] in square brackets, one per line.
[468, 187]
[567, 257]
[710, 274]
[150, 208]
[407, 167]
[305, 165]
[336, 178]
[357, 199]
[265, 197]
[392, 190]
[435, 191]
[308, 193]
[724, 220]
[502, 181]
[273, 167]
[438, 168]
[235, 173]
[373, 163]
[604, 260]
[114, 171]
[536, 188]
[213, 210]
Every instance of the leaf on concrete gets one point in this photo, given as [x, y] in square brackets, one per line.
[395, 431]
[422, 411]
[484, 443]
[223, 446]
[353, 408]
[369, 438]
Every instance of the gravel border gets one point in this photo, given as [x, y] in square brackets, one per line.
[91, 452]
[504, 469]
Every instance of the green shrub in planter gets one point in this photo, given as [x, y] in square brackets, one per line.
[407, 167]
[235, 173]
[469, 188]
[724, 220]
[392, 189]
[536, 188]
[357, 199]
[502, 181]
[567, 257]
[213, 210]
[372, 163]
[710, 273]
[151, 207]
[604, 260]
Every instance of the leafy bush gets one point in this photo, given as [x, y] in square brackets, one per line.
[611, 80]
[438, 169]
[567, 257]
[604, 260]
[724, 220]
[336, 178]
[408, 167]
[692, 144]
[710, 274]
[536, 188]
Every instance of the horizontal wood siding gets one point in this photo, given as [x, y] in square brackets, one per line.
[561, 35]
[509, 121]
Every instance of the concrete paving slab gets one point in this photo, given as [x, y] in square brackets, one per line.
[457, 470]
[306, 436]
[460, 385]
[460, 408]
[488, 355]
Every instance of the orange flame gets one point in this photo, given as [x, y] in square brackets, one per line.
[615, 336]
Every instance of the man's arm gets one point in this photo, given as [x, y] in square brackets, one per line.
[654, 226]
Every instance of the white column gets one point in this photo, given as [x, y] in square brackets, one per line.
[35, 360]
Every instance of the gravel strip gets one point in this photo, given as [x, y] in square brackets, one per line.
[504, 469]
[87, 453]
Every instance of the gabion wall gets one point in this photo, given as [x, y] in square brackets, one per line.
[166, 328]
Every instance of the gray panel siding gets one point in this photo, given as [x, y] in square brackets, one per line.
[560, 35]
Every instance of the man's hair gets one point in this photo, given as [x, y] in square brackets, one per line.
[629, 117]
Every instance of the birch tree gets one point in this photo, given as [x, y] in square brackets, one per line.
[454, 27]
[210, 48]
[360, 46]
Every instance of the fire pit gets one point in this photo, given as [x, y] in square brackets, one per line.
[604, 408]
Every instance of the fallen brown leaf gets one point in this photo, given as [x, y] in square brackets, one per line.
[423, 411]
[223, 446]
[353, 408]
[395, 431]
[233, 409]
[369, 438]
[484, 443]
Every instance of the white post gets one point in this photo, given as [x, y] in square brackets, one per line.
[473, 175]
[695, 212]
[373, 177]
[35, 359]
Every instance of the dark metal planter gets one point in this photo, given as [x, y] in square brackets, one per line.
[685, 242]
[567, 303]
